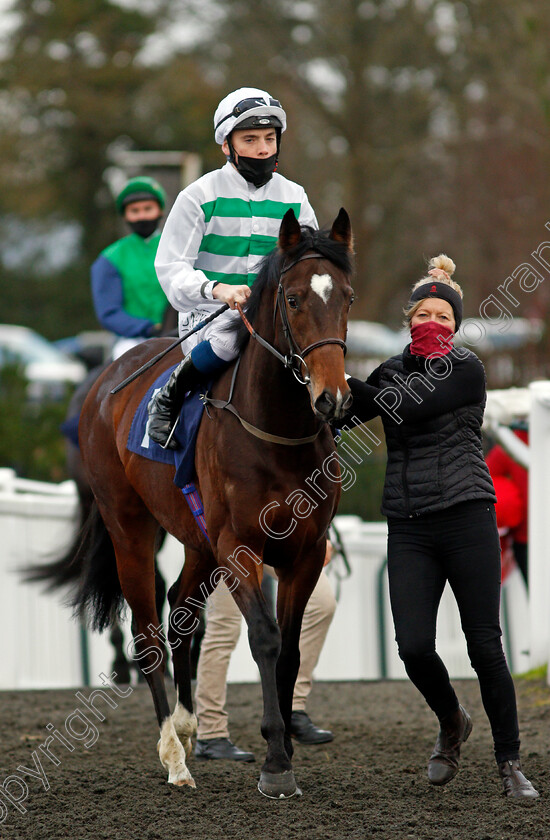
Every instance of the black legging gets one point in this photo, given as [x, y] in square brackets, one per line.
[459, 544]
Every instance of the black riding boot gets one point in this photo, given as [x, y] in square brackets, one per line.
[165, 405]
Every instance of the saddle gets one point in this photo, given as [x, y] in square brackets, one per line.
[186, 431]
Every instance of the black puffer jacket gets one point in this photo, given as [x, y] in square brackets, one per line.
[432, 413]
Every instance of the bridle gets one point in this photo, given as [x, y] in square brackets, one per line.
[295, 358]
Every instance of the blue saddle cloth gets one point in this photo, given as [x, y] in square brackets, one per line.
[186, 434]
[70, 429]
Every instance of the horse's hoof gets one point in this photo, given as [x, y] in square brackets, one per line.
[278, 785]
[190, 782]
[180, 782]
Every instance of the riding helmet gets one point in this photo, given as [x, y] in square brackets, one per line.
[140, 189]
[247, 108]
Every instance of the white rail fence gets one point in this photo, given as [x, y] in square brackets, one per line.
[45, 648]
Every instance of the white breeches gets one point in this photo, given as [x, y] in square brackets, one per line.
[223, 342]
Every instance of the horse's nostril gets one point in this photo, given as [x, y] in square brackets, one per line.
[325, 404]
[326, 399]
[346, 402]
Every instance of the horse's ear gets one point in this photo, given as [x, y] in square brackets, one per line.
[290, 232]
[341, 229]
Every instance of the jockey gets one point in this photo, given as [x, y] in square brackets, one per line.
[216, 233]
[127, 297]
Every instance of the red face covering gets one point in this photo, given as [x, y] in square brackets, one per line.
[431, 339]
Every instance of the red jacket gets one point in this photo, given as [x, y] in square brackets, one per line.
[511, 486]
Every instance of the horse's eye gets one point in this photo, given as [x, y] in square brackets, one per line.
[292, 302]
[352, 298]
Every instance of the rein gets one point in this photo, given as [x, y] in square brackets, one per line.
[259, 433]
[295, 361]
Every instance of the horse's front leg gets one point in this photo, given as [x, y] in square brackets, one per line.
[276, 779]
[295, 588]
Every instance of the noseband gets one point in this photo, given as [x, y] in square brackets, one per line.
[295, 358]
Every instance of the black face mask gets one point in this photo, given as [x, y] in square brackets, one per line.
[257, 171]
[145, 227]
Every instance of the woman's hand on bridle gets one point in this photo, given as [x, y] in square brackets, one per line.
[231, 295]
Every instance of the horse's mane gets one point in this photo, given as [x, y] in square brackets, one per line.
[271, 265]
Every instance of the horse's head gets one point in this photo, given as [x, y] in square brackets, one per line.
[313, 301]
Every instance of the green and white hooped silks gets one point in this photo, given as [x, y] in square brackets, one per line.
[218, 230]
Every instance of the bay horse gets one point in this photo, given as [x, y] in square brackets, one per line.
[64, 570]
[252, 480]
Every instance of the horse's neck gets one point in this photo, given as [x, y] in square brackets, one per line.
[268, 394]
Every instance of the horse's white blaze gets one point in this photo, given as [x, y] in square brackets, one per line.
[338, 397]
[172, 755]
[322, 286]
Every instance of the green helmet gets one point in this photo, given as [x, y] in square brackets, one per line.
[140, 189]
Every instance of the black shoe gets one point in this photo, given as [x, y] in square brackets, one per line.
[164, 407]
[516, 786]
[215, 748]
[443, 763]
[304, 730]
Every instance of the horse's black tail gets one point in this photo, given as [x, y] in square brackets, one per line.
[88, 568]
[99, 599]
[65, 571]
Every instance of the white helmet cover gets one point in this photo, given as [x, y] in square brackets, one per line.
[225, 120]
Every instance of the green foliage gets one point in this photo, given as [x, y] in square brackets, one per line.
[66, 86]
[56, 306]
[73, 83]
[30, 439]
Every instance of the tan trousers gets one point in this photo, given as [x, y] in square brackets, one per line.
[223, 628]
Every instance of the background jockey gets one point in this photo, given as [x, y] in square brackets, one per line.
[216, 233]
[127, 297]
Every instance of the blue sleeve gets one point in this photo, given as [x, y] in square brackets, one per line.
[108, 302]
